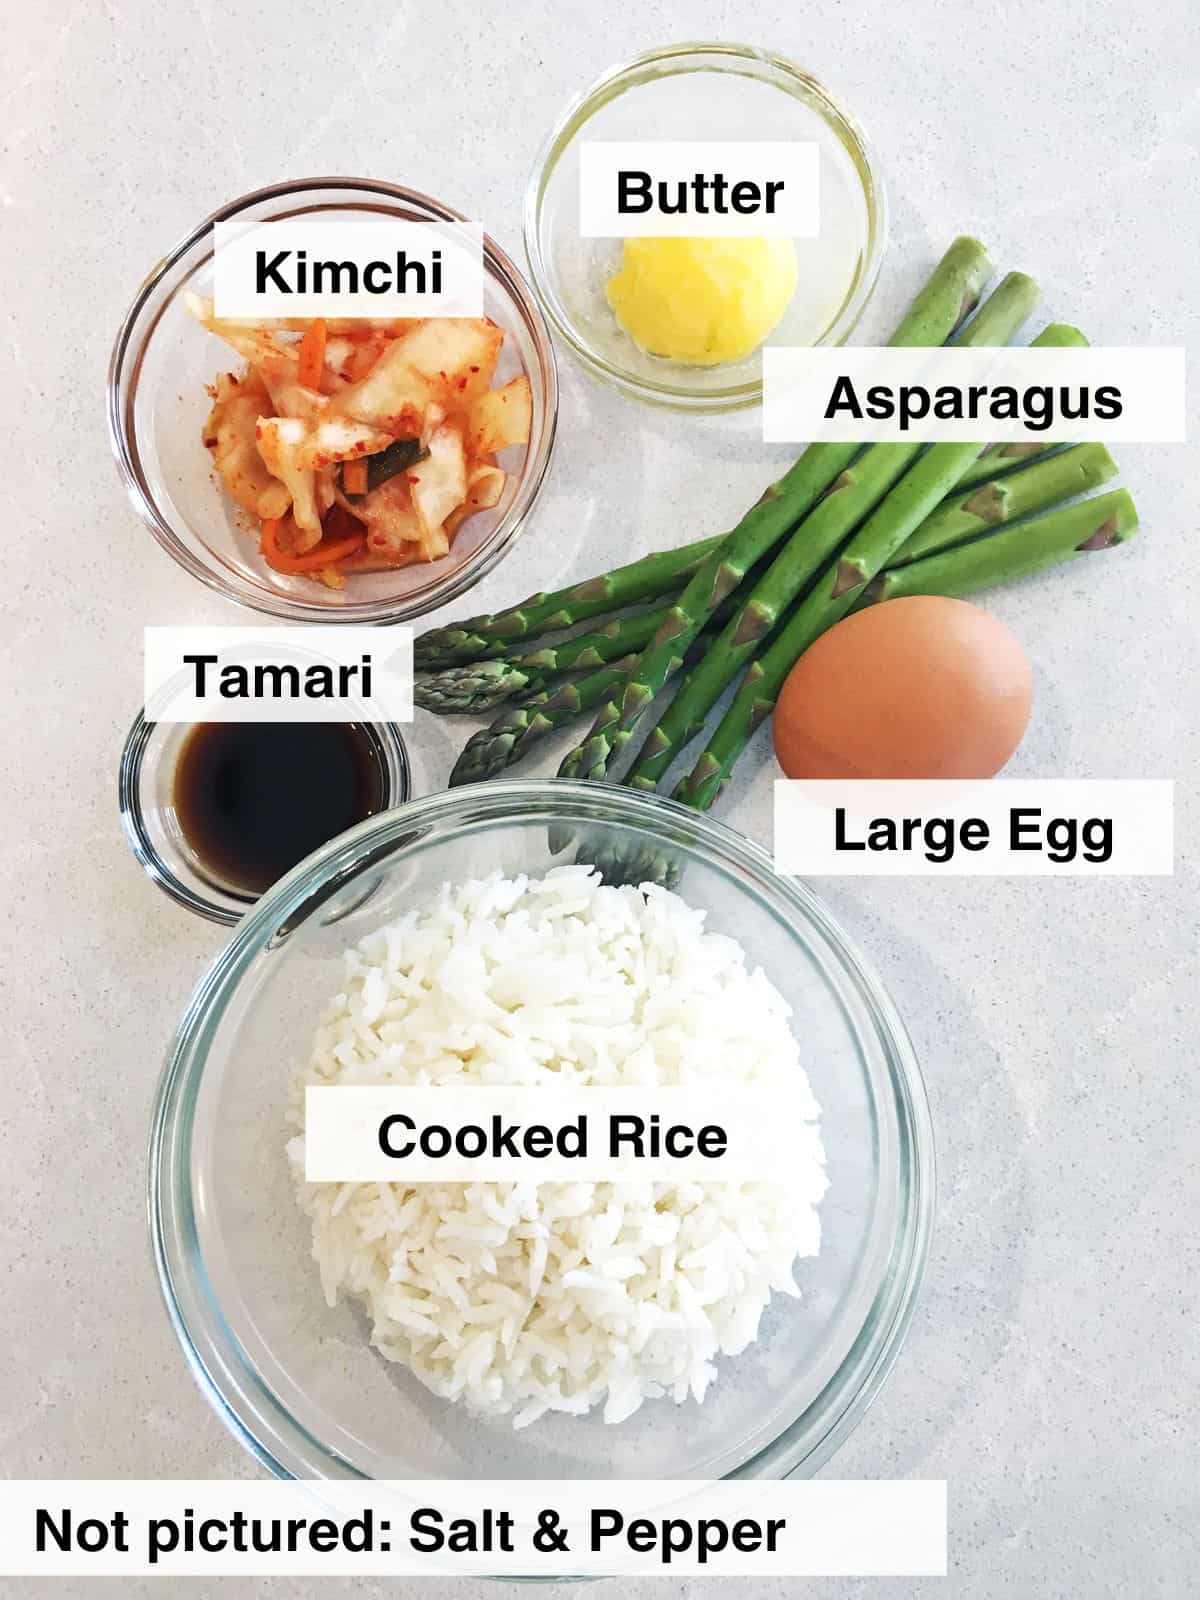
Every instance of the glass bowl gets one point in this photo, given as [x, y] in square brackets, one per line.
[145, 794]
[156, 404]
[300, 1385]
[711, 91]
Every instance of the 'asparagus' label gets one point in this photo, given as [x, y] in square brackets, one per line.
[961, 395]
[257, 674]
[1008, 827]
[355, 267]
[667, 188]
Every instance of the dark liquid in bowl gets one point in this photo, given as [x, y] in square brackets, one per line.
[254, 798]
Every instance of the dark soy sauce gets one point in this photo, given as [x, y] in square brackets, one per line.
[253, 798]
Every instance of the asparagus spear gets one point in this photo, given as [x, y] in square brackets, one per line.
[833, 595]
[629, 862]
[1046, 483]
[950, 294]
[477, 686]
[491, 636]
[516, 729]
[914, 498]
[999, 458]
[473, 688]
[859, 488]
[1062, 535]
[506, 740]
[1094, 524]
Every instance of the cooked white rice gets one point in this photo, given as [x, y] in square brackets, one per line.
[523, 1298]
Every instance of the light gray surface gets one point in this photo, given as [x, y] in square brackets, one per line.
[1051, 1375]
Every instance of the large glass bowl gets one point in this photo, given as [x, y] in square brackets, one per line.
[162, 360]
[300, 1385]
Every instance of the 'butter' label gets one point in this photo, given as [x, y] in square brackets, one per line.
[699, 188]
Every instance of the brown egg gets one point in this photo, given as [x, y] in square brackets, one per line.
[920, 687]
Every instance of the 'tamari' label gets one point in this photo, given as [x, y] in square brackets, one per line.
[269, 674]
[1005, 827]
[675, 188]
[370, 267]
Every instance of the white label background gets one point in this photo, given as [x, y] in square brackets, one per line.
[168, 685]
[767, 1134]
[360, 240]
[842, 1528]
[798, 385]
[797, 213]
[1141, 809]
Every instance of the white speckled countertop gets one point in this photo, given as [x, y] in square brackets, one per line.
[1052, 1371]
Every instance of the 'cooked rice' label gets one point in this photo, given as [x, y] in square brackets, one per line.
[357, 1134]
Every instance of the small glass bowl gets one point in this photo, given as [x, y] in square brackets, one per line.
[145, 793]
[299, 1383]
[156, 405]
[709, 91]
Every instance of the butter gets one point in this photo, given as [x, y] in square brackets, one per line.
[702, 301]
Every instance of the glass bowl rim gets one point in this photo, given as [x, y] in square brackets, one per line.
[207, 1340]
[128, 353]
[158, 868]
[579, 111]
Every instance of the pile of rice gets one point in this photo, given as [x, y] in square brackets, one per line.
[523, 1298]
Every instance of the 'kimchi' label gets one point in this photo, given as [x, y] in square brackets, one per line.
[373, 267]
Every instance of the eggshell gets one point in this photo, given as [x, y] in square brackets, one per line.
[921, 687]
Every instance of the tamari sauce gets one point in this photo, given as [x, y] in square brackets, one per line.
[253, 799]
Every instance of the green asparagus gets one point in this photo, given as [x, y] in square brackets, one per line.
[834, 594]
[632, 860]
[1001, 458]
[474, 687]
[516, 730]
[858, 488]
[1045, 483]
[915, 497]
[478, 686]
[949, 296]
[1027, 547]
[488, 637]
[487, 753]
[1063, 535]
